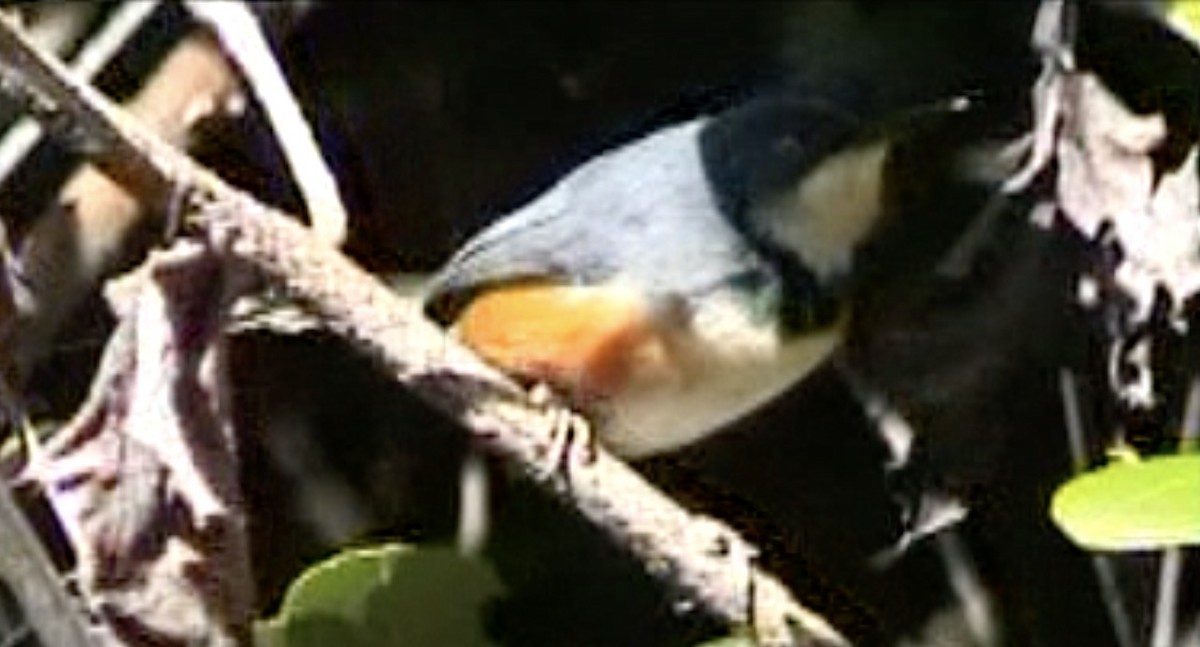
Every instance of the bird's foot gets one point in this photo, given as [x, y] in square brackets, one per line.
[572, 442]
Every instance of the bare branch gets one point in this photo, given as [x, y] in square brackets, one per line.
[126, 20]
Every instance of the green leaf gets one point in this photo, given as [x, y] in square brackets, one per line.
[1132, 504]
[1185, 15]
[391, 595]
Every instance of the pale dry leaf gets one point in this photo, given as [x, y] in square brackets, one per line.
[1107, 175]
[144, 478]
[1107, 183]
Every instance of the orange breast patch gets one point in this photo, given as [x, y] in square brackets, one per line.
[591, 341]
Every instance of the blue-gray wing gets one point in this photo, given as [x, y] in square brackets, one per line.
[643, 214]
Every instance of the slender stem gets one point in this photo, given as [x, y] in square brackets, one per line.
[243, 39]
[27, 570]
[1106, 576]
[95, 55]
[1170, 573]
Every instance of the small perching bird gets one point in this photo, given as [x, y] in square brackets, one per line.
[680, 281]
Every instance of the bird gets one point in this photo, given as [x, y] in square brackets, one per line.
[673, 284]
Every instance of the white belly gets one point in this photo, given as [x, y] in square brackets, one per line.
[726, 369]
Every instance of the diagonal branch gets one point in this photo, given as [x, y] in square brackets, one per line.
[26, 569]
[705, 560]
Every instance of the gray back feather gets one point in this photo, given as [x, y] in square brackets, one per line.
[642, 215]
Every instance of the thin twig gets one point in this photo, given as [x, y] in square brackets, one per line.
[977, 608]
[1170, 570]
[95, 55]
[1076, 435]
[27, 570]
[474, 522]
[1106, 576]
[1166, 602]
[242, 37]
[705, 560]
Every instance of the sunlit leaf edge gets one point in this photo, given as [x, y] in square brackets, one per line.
[1147, 504]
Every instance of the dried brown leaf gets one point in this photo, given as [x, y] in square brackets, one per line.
[144, 478]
